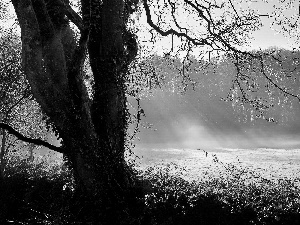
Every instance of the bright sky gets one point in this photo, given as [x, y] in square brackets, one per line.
[266, 37]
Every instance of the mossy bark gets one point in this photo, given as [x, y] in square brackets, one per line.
[93, 130]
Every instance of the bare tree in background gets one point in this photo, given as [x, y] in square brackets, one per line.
[17, 108]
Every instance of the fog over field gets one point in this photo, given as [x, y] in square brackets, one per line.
[203, 111]
[189, 121]
[194, 127]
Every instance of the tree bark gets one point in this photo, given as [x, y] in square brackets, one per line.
[2, 154]
[93, 130]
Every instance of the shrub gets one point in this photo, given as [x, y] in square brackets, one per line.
[237, 197]
[34, 193]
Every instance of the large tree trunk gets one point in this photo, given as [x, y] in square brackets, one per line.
[2, 154]
[93, 130]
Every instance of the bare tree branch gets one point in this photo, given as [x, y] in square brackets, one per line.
[234, 9]
[171, 31]
[8, 111]
[217, 40]
[74, 17]
[20, 136]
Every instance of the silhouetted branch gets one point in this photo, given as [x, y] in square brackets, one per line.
[20, 136]
[25, 95]
[217, 39]
[74, 17]
[234, 9]
[171, 31]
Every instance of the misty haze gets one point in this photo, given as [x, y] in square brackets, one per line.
[192, 126]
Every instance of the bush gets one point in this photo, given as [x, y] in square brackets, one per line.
[230, 199]
[34, 193]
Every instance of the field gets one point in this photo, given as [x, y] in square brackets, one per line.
[268, 163]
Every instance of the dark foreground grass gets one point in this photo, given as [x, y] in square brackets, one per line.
[30, 194]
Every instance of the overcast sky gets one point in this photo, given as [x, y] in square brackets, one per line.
[268, 35]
